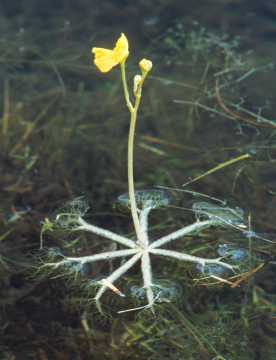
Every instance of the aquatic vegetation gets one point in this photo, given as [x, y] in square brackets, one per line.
[147, 199]
[212, 270]
[232, 252]
[141, 249]
[222, 214]
[172, 334]
[165, 290]
[234, 255]
[79, 145]
[141, 203]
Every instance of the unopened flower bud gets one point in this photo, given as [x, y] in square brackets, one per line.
[145, 65]
[136, 82]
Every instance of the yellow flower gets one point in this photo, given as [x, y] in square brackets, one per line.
[145, 65]
[106, 59]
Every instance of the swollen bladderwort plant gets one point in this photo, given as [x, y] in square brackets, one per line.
[141, 249]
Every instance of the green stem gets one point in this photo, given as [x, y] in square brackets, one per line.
[131, 190]
[125, 87]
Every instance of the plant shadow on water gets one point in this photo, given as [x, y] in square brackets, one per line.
[207, 101]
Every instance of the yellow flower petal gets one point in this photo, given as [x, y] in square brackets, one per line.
[104, 59]
[121, 49]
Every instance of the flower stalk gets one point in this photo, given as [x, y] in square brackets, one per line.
[133, 110]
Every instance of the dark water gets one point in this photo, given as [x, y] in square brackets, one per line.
[210, 98]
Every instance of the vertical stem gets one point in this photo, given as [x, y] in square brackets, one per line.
[131, 189]
[125, 87]
[131, 135]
